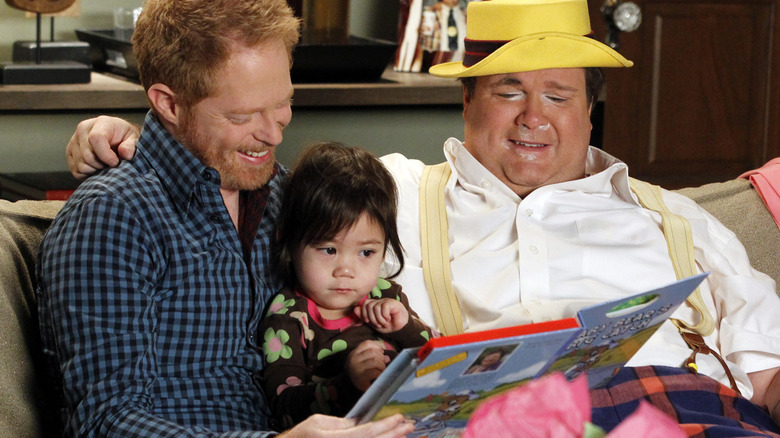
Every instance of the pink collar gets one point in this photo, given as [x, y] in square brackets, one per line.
[331, 324]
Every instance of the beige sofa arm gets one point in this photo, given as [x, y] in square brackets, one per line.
[24, 411]
[739, 207]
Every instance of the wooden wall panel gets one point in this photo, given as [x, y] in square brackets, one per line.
[699, 105]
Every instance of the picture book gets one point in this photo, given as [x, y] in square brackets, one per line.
[439, 385]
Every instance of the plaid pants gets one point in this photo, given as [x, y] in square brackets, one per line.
[702, 406]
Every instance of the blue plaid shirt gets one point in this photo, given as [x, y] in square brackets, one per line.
[148, 306]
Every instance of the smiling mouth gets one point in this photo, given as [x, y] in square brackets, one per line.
[529, 145]
[256, 154]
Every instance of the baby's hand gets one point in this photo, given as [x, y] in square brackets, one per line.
[385, 315]
[365, 363]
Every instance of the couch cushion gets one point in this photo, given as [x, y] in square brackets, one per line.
[23, 408]
[739, 207]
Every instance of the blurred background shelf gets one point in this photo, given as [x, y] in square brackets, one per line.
[107, 91]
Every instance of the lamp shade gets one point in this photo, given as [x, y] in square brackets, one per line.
[41, 6]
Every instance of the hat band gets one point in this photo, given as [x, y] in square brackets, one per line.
[477, 50]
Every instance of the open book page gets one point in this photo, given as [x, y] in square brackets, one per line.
[440, 385]
[616, 330]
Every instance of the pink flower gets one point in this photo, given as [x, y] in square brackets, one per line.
[291, 381]
[553, 407]
[647, 422]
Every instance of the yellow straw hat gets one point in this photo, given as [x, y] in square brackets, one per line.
[511, 36]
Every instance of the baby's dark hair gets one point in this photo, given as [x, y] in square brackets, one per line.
[331, 186]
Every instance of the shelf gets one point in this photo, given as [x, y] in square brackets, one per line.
[107, 92]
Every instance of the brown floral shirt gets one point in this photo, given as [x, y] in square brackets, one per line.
[305, 354]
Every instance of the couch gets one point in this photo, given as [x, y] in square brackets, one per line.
[25, 408]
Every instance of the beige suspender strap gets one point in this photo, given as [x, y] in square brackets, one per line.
[434, 237]
[679, 240]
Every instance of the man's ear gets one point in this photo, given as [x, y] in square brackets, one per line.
[165, 104]
[590, 114]
[466, 99]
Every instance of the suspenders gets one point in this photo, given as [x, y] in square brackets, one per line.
[436, 249]
[436, 270]
[679, 240]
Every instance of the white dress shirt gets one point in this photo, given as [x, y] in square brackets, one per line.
[565, 246]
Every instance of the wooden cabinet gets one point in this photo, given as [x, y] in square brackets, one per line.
[700, 104]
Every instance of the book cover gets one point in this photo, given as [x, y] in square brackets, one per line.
[439, 385]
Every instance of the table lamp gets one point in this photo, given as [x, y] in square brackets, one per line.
[38, 71]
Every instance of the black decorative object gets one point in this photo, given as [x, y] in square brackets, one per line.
[359, 60]
[37, 71]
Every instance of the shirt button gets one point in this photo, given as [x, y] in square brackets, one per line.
[485, 184]
[206, 175]
[529, 212]
[214, 218]
[533, 249]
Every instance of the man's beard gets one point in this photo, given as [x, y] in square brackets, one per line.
[233, 174]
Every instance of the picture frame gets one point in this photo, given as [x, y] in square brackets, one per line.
[430, 32]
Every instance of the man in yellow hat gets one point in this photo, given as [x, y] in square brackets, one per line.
[541, 225]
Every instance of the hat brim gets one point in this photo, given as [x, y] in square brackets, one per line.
[537, 52]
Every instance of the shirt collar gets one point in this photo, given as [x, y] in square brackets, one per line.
[177, 168]
[605, 174]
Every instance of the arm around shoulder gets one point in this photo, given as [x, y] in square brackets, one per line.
[98, 143]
